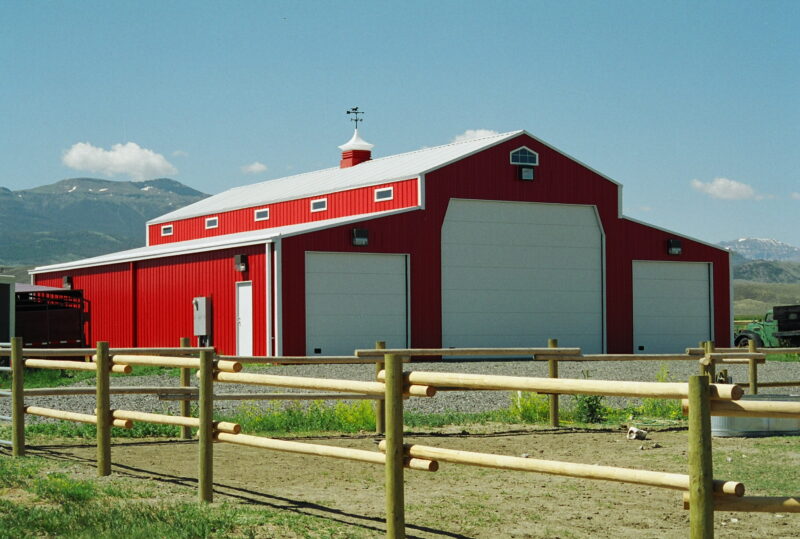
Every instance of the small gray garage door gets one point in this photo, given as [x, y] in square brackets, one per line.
[671, 306]
[353, 300]
[518, 273]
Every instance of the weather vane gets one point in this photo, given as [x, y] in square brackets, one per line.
[355, 112]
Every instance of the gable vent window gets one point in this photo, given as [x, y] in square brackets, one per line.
[166, 230]
[212, 222]
[524, 156]
[261, 215]
[384, 193]
[319, 204]
[525, 159]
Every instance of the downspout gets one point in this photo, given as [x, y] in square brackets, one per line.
[278, 297]
[268, 309]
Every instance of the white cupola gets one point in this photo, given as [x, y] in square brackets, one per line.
[355, 151]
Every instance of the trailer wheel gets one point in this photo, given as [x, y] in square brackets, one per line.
[743, 340]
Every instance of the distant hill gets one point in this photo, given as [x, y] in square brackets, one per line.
[763, 249]
[83, 217]
[755, 299]
[767, 271]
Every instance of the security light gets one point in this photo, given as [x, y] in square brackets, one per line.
[360, 237]
[674, 247]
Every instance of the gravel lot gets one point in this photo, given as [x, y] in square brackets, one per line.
[462, 401]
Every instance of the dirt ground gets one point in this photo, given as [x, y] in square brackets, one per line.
[458, 501]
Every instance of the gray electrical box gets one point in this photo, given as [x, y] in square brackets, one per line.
[201, 310]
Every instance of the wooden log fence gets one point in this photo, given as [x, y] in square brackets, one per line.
[568, 469]
[611, 388]
[700, 398]
[74, 416]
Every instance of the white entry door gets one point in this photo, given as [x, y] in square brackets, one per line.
[355, 299]
[671, 306]
[244, 318]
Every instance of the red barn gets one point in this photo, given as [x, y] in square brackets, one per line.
[497, 241]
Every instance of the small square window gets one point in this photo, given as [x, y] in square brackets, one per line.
[261, 214]
[166, 230]
[319, 204]
[384, 193]
[212, 222]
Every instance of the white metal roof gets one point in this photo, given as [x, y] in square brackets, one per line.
[384, 169]
[226, 241]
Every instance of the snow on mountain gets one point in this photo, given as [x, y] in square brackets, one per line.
[763, 249]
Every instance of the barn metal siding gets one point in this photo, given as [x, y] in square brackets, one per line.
[340, 204]
[166, 287]
[108, 290]
[634, 241]
[488, 175]
[394, 235]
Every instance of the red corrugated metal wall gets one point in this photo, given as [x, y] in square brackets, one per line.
[340, 204]
[168, 285]
[162, 312]
[488, 175]
[108, 290]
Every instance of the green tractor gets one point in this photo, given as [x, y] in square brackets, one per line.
[780, 328]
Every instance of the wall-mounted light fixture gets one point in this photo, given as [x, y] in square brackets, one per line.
[240, 262]
[360, 237]
[674, 247]
[66, 282]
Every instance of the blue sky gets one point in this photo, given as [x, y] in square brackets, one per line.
[693, 106]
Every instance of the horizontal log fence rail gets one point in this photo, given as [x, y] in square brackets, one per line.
[306, 360]
[703, 494]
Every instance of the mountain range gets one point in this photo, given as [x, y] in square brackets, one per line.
[83, 217]
[762, 249]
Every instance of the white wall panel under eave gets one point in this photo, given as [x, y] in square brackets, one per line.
[353, 300]
[671, 306]
[519, 273]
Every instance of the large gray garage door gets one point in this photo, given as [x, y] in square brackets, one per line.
[518, 273]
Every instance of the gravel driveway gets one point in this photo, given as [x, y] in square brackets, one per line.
[462, 401]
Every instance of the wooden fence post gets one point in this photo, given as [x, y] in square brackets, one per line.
[17, 398]
[205, 477]
[753, 374]
[380, 407]
[186, 405]
[103, 405]
[395, 503]
[710, 369]
[552, 365]
[701, 473]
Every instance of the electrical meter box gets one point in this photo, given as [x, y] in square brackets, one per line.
[201, 309]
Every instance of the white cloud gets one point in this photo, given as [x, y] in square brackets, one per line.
[726, 189]
[795, 196]
[129, 158]
[470, 134]
[254, 168]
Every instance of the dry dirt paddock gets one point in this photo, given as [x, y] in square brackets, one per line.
[461, 501]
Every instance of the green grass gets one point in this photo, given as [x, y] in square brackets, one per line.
[773, 476]
[43, 498]
[35, 378]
